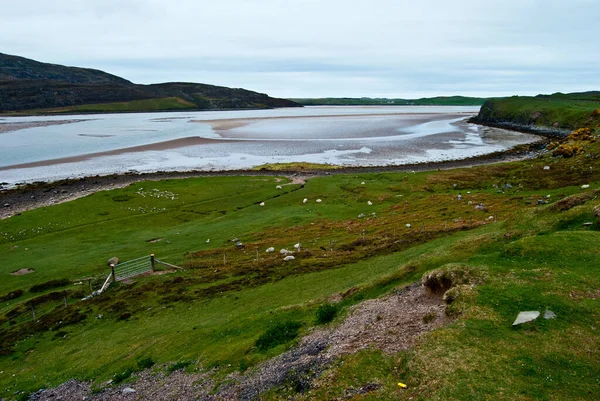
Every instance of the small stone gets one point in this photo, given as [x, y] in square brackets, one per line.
[362, 183]
[459, 197]
[318, 201]
[270, 249]
[408, 225]
[261, 204]
[288, 258]
[208, 241]
[362, 215]
[585, 186]
[524, 317]
[7, 205]
[128, 390]
[549, 314]
[305, 200]
[546, 167]
[278, 187]
[369, 203]
[588, 224]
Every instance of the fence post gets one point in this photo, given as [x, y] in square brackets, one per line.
[152, 262]
[112, 272]
[65, 297]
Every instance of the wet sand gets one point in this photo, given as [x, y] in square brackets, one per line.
[15, 126]
[158, 146]
[232, 123]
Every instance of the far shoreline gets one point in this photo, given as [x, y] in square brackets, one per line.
[29, 196]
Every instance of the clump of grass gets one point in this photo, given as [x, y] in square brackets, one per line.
[326, 313]
[429, 317]
[145, 363]
[11, 295]
[441, 280]
[281, 333]
[566, 150]
[178, 366]
[119, 377]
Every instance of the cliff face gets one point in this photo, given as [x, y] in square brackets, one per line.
[556, 114]
[29, 85]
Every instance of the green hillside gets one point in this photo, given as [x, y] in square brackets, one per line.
[365, 101]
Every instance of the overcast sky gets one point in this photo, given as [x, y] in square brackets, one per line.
[315, 48]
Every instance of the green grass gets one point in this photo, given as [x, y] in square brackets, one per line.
[211, 315]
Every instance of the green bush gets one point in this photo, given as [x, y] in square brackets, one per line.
[145, 363]
[281, 333]
[326, 313]
[119, 377]
[11, 295]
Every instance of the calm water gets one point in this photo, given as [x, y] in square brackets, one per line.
[353, 136]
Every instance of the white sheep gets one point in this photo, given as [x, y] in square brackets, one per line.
[369, 203]
[318, 201]
[278, 187]
[305, 200]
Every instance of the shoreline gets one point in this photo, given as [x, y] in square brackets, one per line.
[34, 195]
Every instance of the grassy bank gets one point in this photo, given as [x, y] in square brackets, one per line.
[559, 111]
[523, 223]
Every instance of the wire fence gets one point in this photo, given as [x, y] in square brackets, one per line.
[133, 268]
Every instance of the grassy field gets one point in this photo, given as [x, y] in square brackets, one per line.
[170, 103]
[529, 233]
[427, 101]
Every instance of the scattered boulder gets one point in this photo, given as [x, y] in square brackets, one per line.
[546, 167]
[408, 225]
[284, 251]
[585, 186]
[305, 200]
[278, 187]
[369, 203]
[524, 317]
[318, 201]
[261, 204]
[288, 258]
[270, 249]
[549, 314]
[128, 390]
[113, 261]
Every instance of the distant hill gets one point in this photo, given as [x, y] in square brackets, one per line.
[33, 87]
[367, 101]
[558, 113]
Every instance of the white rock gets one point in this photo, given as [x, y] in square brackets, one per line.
[524, 317]
[128, 390]
[278, 187]
[208, 241]
[297, 246]
[270, 249]
[318, 201]
[369, 203]
[585, 186]
[408, 225]
[284, 251]
[362, 183]
[262, 204]
[289, 258]
[546, 167]
[305, 200]
[549, 314]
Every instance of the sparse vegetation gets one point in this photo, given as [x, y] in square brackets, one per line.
[278, 334]
[326, 313]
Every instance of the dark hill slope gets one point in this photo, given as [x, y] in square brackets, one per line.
[15, 67]
[28, 85]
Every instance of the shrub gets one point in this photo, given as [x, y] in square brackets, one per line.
[567, 150]
[119, 377]
[581, 134]
[281, 333]
[326, 313]
[145, 363]
[50, 284]
[452, 274]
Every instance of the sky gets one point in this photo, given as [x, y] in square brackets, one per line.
[321, 48]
